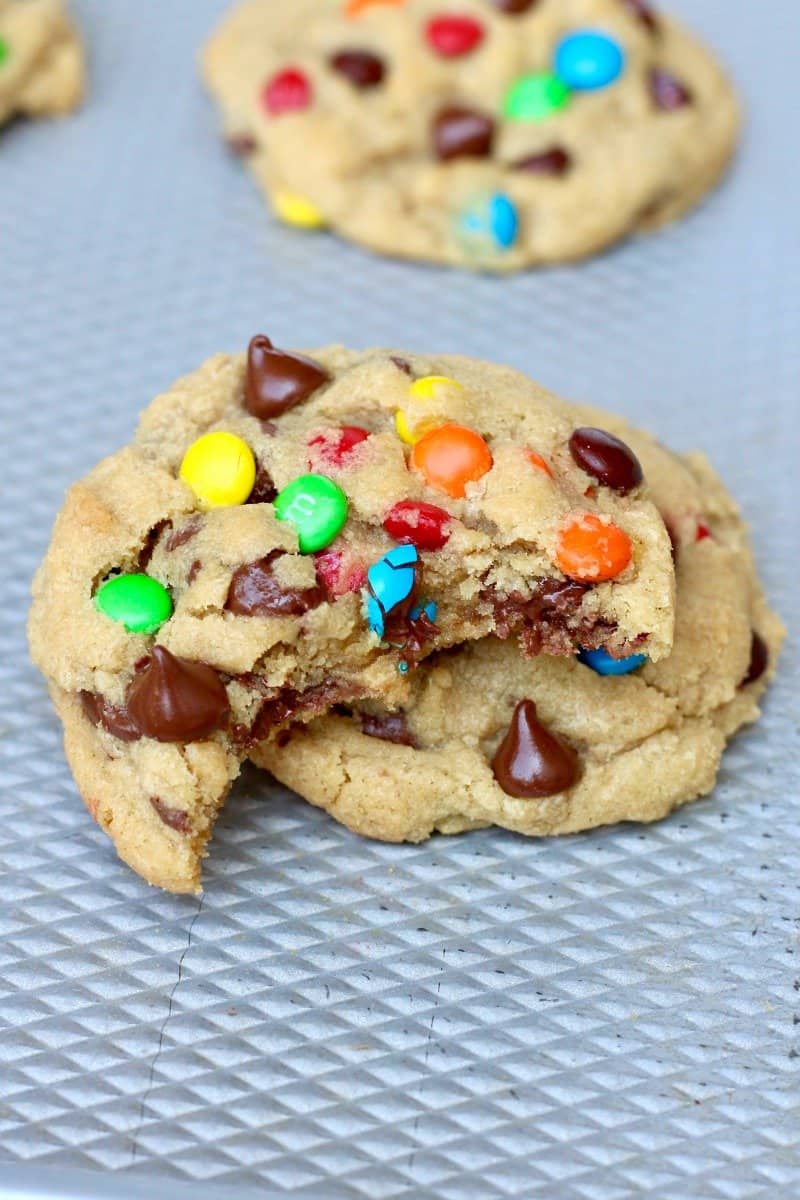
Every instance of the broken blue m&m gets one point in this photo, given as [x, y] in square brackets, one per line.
[601, 662]
[391, 582]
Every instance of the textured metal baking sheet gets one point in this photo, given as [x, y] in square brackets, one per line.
[606, 1017]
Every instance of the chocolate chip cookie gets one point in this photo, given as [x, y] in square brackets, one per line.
[551, 745]
[290, 532]
[42, 69]
[493, 134]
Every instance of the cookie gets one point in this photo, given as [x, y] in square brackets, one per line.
[42, 69]
[493, 134]
[287, 533]
[552, 746]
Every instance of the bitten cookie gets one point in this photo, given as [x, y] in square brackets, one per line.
[288, 533]
[42, 68]
[549, 746]
[493, 134]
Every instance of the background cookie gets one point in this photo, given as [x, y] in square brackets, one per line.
[554, 746]
[42, 68]
[495, 134]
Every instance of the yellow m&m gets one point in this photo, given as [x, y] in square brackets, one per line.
[220, 470]
[432, 400]
[296, 210]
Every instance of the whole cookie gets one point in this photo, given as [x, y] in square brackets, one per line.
[287, 533]
[42, 68]
[493, 134]
[549, 746]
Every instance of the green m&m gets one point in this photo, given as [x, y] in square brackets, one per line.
[317, 507]
[536, 97]
[138, 602]
[5, 51]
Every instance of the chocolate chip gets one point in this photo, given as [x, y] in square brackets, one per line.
[514, 7]
[555, 161]
[255, 592]
[277, 381]
[360, 67]
[402, 364]
[531, 763]
[668, 92]
[288, 703]
[151, 541]
[115, 719]
[242, 144]
[759, 660]
[389, 727]
[176, 818]
[264, 490]
[606, 459]
[642, 12]
[179, 537]
[175, 700]
[194, 571]
[462, 133]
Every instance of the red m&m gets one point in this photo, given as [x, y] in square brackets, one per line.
[453, 36]
[288, 91]
[334, 448]
[422, 525]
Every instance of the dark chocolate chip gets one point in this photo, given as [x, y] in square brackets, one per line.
[389, 727]
[759, 660]
[151, 541]
[531, 763]
[514, 7]
[606, 459]
[176, 818]
[277, 381]
[179, 537]
[360, 67]
[255, 592]
[668, 92]
[174, 700]
[462, 133]
[402, 364]
[115, 719]
[642, 12]
[264, 490]
[287, 704]
[555, 161]
[242, 144]
[194, 571]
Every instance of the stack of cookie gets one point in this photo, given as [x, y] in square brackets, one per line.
[422, 591]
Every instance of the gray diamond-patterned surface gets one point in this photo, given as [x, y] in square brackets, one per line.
[604, 1017]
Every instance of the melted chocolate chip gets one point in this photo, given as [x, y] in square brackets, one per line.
[606, 459]
[179, 537]
[514, 7]
[550, 621]
[264, 490]
[115, 719]
[668, 92]
[531, 763]
[176, 818]
[402, 364]
[642, 12]
[362, 69]
[759, 660]
[277, 381]
[174, 700]
[555, 161]
[194, 571]
[242, 144]
[389, 727]
[255, 592]
[462, 133]
[151, 541]
[285, 705]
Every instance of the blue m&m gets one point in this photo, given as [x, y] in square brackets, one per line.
[390, 582]
[587, 60]
[601, 662]
[489, 225]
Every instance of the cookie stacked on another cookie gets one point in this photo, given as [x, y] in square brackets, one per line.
[290, 533]
[42, 69]
[494, 134]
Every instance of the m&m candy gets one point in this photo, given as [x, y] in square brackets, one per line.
[5, 51]
[423, 525]
[488, 225]
[592, 550]
[450, 457]
[336, 446]
[317, 507]
[391, 582]
[297, 211]
[220, 470]
[536, 97]
[588, 60]
[431, 400]
[138, 602]
[355, 8]
[288, 91]
[452, 35]
[601, 662]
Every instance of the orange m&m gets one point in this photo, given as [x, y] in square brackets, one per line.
[538, 462]
[354, 8]
[592, 550]
[450, 457]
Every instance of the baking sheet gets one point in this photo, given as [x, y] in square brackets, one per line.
[608, 1016]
